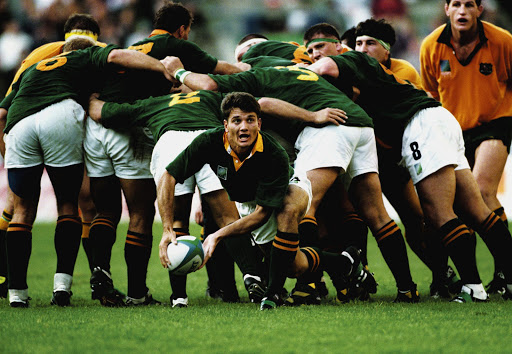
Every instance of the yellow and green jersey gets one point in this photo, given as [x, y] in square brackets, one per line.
[390, 101]
[131, 85]
[196, 110]
[262, 177]
[73, 75]
[43, 52]
[287, 50]
[299, 86]
[477, 90]
[405, 71]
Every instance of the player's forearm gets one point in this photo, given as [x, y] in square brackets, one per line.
[246, 224]
[282, 109]
[224, 68]
[165, 200]
[135, 60]
[200, 82]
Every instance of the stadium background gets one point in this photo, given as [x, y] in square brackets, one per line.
[218, 26]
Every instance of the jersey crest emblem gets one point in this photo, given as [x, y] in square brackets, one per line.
[486, 68]
[445, 65]
[222, 172]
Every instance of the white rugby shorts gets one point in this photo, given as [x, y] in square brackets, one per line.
[52, 136]
[108, 152]
[266, 232]
[352, 149]
[170, 145]
[432, 140]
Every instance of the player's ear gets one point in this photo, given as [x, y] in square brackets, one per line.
[225, 125]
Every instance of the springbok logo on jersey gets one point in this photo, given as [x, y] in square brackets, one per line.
[222, 172]
[486, 68]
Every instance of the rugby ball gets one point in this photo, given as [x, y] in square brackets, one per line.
[186, 256]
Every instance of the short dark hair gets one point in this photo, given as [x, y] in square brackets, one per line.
[379, 29]
[350, 36]
[478, 2]
[81, 22]
[325, 29]
[171, 16]
[251, 36]
[76, 44]
[243, 100]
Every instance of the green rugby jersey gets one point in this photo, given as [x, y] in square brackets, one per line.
[263, 177]
[196, 110]
[390, 101]
[72, 75]
[131, 85]
[286, 50]
[267, 61]
[299, 86]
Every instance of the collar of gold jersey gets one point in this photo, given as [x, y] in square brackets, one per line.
[258, 147]
[156, 32]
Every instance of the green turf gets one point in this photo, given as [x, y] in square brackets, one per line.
[212, 326]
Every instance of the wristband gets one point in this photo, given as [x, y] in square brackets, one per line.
[183, 76]
[178, 73]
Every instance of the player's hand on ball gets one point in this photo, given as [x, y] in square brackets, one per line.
[209, 245]
[167, 237]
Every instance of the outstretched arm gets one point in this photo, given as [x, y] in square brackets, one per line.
[225, 68]
[325, 66]
[282, 109]
[240, 227]
[165, 199]
[137, 60]
[193, 80]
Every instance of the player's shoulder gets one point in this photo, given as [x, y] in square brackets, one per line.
[45, 51]
[433, 36]
[397, 63]
[493, 32]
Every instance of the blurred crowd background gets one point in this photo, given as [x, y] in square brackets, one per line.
[219, 24]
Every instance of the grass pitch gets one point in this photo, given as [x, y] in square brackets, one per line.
[210, 326]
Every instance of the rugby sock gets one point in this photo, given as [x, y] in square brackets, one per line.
[86, 227]
[332, 263]
[392, 247]
[499, 242]
[19, 248]
[308, 232]
[460, 245]
[282, 254]
[501, 213]
[67, 242]
[102, 237]
[179, 282]
[308, 236]
[355, 233]
[137, 250]
[503, 216]
[4, 224]
[221, 274]
[428, 249]
[246, 255]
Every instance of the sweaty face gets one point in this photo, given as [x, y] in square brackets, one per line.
[370, 46]
[242, 129]
[318, 50]
[463, 14]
